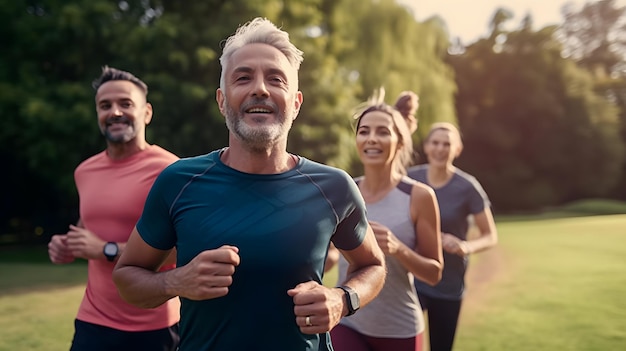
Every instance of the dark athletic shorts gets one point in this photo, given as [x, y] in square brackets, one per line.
[93, 337]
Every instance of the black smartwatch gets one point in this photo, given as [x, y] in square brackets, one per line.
[352, 299]
[110, 251]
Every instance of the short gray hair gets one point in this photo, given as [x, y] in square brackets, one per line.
[260, 30]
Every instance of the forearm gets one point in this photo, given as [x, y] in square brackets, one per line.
[488, 233]
[367, 281]
[481, 243]
[144, 288]
[366, 270]
[426, 269]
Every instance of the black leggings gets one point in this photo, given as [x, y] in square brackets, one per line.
[93, 337]
[443, 316]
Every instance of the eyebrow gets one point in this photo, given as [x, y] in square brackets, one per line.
[374, 127]
[246, 69]
[111, 100]
[242, 69]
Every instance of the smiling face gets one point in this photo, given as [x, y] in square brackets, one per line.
[441, 147]
[260, 98]
[377, 139]
[123, 112]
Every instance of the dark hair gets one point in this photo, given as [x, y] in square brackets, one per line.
[407, 103]
[110, 74]
[382, 107]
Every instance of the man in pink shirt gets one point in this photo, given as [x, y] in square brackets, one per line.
[112, 186]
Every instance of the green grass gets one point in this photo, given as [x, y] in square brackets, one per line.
[560, 286]
[38, 300]
[41, 320]
[588, 207]
[554, 284]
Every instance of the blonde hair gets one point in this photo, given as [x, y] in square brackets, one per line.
[449, 127]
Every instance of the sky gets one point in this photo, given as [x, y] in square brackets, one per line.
[469, 19]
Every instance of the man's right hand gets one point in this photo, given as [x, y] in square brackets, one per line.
[58, 250]
[207, 275]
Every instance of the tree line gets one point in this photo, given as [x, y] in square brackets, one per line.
[542, 111]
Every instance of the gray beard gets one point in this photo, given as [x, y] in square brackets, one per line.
[257, 138]
[122, 138]
[118, 139]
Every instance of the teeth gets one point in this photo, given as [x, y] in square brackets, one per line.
[258, 110]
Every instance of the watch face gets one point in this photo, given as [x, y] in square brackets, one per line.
[354, 300]
[110, 249]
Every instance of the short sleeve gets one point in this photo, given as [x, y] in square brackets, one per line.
[352, 228]
[478, 199]
[155, 226]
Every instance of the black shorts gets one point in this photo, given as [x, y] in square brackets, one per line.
[93, 337]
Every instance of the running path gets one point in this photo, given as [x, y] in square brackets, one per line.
[484, 268]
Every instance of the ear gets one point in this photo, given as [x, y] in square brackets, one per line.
[148, 117]
[297, 104]
[219, 97]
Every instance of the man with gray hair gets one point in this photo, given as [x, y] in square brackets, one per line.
[251, 223]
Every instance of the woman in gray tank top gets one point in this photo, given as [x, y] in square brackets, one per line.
[402, 213]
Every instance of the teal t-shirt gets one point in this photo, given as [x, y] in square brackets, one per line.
[282, 225]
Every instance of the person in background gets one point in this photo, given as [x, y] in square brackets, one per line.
[407, 104]
[460, 197]
[405, 218]
[113, 186]
[252, 223]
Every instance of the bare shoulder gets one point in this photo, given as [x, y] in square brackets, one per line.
[423, 201]
[419, 189]
[423, 193]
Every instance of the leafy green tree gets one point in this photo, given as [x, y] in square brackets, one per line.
[381, 44]
[46, 103]
[593, 37]
[535, 132]
[322, 131]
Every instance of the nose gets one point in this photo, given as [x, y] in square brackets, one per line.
[259, 89]
[371, 138]
[117, 111]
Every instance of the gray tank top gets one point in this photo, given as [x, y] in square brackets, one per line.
[395, 312]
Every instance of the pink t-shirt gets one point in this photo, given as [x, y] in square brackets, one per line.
[112, 195]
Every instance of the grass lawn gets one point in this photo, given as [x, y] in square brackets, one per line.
[38, 300]
[556, 284]
[551, 284]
